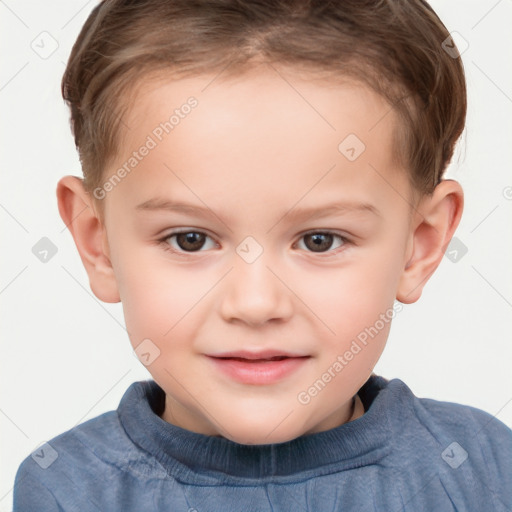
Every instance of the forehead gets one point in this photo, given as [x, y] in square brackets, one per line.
[261, 100]
[259, 133]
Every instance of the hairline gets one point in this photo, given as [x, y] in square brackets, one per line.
[315, 74]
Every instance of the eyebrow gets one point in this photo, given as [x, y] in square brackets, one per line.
[293, 214]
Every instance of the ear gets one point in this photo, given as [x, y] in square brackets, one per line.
[78, 213]
[436, 219]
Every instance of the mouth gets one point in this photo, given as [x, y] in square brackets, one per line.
[256, 360]
[264, 355]
[258, 368]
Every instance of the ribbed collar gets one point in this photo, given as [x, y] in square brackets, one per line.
[197, 458]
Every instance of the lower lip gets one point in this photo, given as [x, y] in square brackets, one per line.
[259, 372]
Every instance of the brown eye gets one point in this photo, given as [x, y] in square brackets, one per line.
[188, 241]
[321, 242]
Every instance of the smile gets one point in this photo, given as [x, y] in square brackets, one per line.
[257, 368]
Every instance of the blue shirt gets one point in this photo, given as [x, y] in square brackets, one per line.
[403, 453]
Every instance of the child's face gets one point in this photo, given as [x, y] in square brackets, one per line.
[251, 156]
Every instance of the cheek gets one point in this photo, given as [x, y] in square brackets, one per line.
[156, 297]
[353, 298]
[357, 304]
[359, 308]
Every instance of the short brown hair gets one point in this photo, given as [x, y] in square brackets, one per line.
[393, 46]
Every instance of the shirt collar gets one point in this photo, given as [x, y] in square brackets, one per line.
[187, 454]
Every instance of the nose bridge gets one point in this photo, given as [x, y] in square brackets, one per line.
[252, 292]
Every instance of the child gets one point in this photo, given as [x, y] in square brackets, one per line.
[263, 189]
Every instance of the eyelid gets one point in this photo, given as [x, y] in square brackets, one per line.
[325, 231]
[178, 231]
[346, 240]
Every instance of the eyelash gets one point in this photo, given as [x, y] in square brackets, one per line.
[166, 246]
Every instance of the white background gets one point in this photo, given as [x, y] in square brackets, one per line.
[65, 356]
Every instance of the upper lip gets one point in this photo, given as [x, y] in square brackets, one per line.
[264, 354]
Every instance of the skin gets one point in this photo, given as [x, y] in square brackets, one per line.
[256, 149]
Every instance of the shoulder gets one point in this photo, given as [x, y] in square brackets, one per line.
[465, 446]
[446, 420]
[69, 464]
[100, 438]
[481, 435]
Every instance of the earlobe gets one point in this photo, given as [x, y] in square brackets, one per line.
[436, 220]
[77, 211]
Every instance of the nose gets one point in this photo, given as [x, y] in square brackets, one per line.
[253, 294]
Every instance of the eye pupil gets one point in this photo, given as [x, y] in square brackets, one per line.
[193, 241]
[321, 241]
[190, 241]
